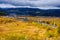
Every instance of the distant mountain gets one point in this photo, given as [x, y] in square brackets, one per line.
[31, 11]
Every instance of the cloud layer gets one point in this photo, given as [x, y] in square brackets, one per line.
[44, 4]
[6, 6]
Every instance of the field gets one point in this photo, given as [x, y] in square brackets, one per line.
[29, 28]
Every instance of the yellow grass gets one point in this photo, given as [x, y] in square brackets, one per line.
[12, 29]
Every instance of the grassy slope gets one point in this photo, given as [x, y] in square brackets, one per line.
[11, 29]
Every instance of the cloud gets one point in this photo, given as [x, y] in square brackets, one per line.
[7, 6]
[48, 7]
[33, 2]
[46, 4]
[41, 7]
[12, 6]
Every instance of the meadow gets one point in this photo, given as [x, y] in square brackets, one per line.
[29, 28]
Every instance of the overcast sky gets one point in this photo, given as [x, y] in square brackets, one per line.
[43, 4]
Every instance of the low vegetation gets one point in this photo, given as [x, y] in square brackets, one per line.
[33, 28]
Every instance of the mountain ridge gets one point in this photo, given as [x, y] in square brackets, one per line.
[31, 11]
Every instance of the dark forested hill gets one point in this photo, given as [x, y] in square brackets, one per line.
[31, 11]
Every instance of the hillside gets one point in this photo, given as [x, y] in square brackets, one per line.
[31, 11]
[30, 29]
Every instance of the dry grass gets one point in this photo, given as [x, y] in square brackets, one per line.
[12, 29]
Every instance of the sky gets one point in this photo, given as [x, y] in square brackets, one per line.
[42, 4]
